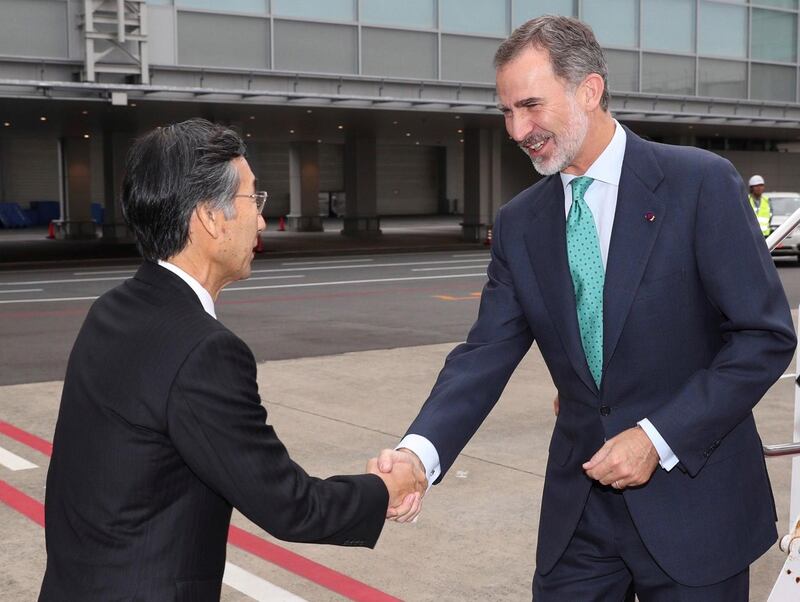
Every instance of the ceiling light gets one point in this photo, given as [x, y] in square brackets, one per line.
[42, 118]
[309, 111]
[341, 127]
[408, 133]
[84, 112]
[252, 117]
[291, 131]
[7, 124]
[86, 135]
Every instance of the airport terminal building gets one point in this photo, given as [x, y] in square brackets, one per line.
[368, 108]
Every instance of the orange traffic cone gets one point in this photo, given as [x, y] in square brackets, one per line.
[281, 224]
[51, 230]
[488, 241]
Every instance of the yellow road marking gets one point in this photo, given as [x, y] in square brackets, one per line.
[471, 297]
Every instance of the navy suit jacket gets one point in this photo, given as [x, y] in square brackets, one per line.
[696, 329]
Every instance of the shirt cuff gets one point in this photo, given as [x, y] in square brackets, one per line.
[667, 457]
[427, 454]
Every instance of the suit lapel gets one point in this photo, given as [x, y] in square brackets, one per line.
[632, 238]
[546, 243]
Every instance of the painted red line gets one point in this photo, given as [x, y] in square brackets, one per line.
[286, 559]
[22, 503]
[25, 438]
[313, 571]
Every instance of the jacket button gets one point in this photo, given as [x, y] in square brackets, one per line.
[605, 410]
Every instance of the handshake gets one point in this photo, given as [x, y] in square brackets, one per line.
[404, 476]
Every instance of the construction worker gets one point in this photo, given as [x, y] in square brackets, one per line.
[760, 204]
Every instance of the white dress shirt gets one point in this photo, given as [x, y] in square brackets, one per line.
[601, 197]
[202, 294]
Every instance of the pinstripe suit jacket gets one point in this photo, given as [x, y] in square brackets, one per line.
[160, 433]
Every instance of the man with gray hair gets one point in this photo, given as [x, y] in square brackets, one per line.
[161, 431]
[640, 271]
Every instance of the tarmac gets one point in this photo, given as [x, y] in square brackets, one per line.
[30, 247]
[476, 537]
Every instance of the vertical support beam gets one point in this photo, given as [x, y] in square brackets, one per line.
[78, 190]
[360, 185]
[482, 183]
[304, 187]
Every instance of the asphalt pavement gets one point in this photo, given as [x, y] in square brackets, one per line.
[348, 347]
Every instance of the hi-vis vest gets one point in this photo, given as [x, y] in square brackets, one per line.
[763, 213]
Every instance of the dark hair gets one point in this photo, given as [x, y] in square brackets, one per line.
[170, 171]
[573, 49]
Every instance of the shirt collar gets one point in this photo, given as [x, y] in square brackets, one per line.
[202, 294]
[608, 166]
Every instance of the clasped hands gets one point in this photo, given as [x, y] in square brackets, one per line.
[404, 476]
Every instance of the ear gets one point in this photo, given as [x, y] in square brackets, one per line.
[205, 218]
[591, 91]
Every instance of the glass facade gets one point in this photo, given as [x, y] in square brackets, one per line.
[328, 10]
[665, 74]
[615, 22]
[728, 41]
[722, 79]
[728, 49]
[409, 13]
[245, 6]
[774, 35]
[668, 25]
[488, 17]
[523, 11]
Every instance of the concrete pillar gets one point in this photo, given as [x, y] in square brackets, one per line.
[304, 187]
[482, 182]
[455, 177]
[114, 226]
[360, 186]
[77, 219]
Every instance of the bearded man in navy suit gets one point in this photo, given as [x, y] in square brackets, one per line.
[639, 270]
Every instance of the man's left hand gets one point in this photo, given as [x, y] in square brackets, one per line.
[627, 460]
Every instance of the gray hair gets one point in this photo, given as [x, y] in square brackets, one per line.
[573, 49]
[169, 172]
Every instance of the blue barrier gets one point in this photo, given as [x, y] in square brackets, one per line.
[11, 216]
[45, 211]
[98, 213]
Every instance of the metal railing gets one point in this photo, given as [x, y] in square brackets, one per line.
[773, 240]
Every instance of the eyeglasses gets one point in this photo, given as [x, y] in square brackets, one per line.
[259, 197]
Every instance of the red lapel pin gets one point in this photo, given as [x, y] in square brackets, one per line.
[650, 216]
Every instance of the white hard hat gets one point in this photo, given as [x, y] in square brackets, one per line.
[755, 181]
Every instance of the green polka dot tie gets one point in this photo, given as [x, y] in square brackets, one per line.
[588, 275]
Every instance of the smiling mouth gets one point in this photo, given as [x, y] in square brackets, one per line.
[534, 148]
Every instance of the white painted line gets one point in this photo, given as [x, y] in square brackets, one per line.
[255, 587]
[131, 270]
[22, 290]
[64, 281]
[343, 282]
[271, 286]
[452, 267]
[326, 262]
[364, 265]
[276, 277]
[787, 376]
[13, 461]
[53, 300]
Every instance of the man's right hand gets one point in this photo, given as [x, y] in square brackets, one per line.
[402, 483]
[392, 460]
